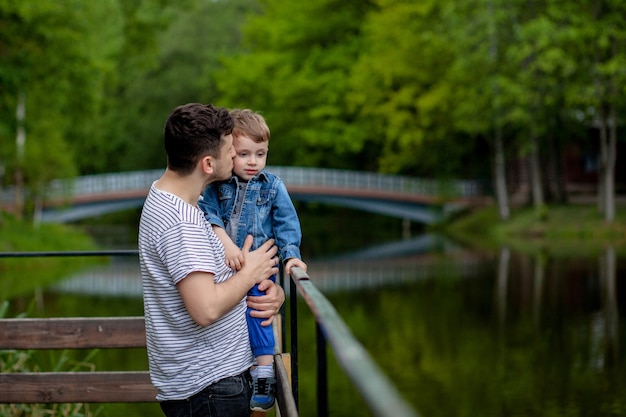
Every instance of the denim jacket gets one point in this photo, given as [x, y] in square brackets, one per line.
[267, 212]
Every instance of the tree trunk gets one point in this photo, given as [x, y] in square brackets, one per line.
[500, 177]
[557, 188]
[535, 174]
[609, 169]
[499, 168]
[20, 144]
[603, 162]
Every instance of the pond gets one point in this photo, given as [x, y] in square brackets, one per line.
[459, 332]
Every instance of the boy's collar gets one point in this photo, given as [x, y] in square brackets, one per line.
[262, 176]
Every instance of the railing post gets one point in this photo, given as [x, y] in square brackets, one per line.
[322, 372]
[281, 311]
[293, 320]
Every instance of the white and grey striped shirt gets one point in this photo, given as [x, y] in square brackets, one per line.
[174, 240]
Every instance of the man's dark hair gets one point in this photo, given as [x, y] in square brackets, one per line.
[193, 131]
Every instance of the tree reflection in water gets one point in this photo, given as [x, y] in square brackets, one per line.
[460, 333]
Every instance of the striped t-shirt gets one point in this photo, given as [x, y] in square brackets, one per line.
[174, 240]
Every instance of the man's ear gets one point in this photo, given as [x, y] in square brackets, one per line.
[207, 164]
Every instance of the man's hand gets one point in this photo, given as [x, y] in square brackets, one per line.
[268, 305]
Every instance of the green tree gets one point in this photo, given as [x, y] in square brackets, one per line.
[125, 112]
[294, 68]
[53, 53]
[171, 55]
[601, 28]
[543, 66]
[399, 81]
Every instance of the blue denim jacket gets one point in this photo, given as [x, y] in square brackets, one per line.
[267, 212]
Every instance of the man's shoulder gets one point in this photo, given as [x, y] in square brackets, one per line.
[169, 209]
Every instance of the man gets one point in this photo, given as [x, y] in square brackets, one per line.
[194, 304]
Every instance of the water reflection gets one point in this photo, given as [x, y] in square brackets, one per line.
[572, 284]
[393, 263]
[608, 286]
[502, 283]
[525, 336]
[459, 332]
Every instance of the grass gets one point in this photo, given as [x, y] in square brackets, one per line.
[563, 231]
[16, 235]
[23, 275]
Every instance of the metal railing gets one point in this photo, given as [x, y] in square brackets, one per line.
[376, 389]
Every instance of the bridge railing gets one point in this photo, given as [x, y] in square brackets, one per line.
[337, 178]
[292, 176]
[102, 183]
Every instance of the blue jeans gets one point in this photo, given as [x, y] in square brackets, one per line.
[227, 397]
[261, 338]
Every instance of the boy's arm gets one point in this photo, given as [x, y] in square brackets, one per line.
[285, 224]
[234, 255]
[209, 204]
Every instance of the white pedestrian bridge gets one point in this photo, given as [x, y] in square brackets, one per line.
[415, 199]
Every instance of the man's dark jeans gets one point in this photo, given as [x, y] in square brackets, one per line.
[227, 397]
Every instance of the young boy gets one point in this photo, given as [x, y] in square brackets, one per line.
[254, 202]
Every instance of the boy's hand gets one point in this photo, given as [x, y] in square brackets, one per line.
[234, 256]
[291, 262]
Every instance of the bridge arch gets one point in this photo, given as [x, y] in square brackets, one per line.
[416, 199]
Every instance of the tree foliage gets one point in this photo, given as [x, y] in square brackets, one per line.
[429, 88]
[294, 67]
[98, 79]
[53, 55]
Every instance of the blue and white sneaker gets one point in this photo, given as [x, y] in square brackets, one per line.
[263, 394]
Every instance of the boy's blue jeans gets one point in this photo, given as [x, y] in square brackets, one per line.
[227, 397]
[261, 338]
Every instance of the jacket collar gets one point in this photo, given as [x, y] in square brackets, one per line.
[261, 176]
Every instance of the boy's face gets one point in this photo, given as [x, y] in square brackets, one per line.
[250, 157]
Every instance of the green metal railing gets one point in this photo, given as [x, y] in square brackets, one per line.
[376, 389]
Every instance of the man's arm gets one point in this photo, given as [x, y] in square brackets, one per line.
[207, 301]
[285, 224]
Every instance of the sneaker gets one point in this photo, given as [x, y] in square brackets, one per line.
[263, 394]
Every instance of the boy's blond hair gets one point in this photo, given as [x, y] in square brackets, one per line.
[250, 124]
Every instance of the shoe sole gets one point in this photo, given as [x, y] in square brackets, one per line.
[262, 409]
